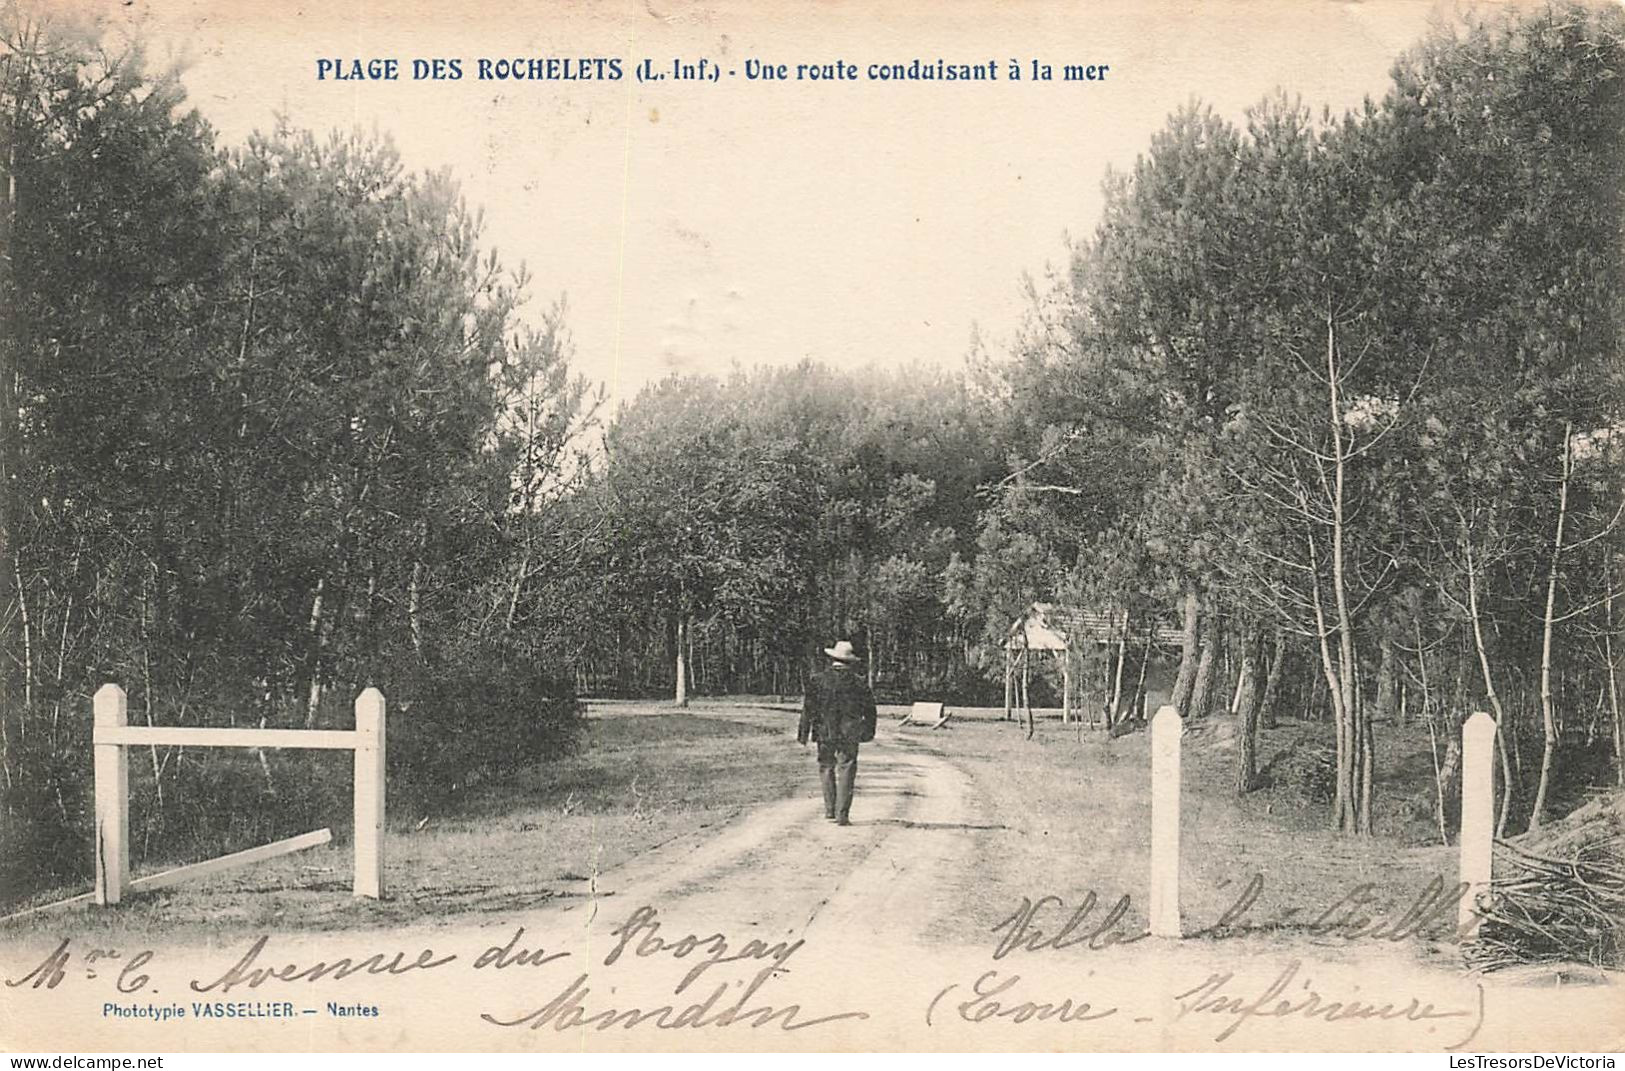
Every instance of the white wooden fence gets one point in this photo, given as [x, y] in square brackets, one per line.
[113, 734]
[1167, 727]
[1477, 815]
[1477, 819]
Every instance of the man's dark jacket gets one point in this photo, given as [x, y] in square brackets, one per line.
[838, 709]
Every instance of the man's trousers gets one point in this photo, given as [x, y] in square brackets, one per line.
[838, 770]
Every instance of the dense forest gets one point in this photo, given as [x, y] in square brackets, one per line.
[1340, 396]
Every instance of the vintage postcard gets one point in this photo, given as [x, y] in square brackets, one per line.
[695, 525]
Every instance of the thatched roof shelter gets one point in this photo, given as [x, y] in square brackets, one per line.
[1062, 630]
[1049, 626]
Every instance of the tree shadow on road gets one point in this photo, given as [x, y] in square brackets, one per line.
[906, 824]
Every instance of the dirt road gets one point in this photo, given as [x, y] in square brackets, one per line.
[786, 871]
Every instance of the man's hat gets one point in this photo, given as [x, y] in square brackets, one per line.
[843, 652]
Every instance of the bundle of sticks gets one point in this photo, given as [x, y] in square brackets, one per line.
[1564, 903]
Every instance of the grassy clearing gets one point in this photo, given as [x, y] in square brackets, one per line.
[1069, 812]
[642, 777]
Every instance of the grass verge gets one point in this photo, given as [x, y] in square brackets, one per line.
[1068, 813]
[642, 777]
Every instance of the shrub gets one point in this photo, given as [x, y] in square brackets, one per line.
[452, 726]
[45, 819]
[1313, 773]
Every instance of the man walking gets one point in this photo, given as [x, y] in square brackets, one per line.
[839, 714]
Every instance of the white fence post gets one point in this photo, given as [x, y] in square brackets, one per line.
[1477, 815]
[369, 794]
[112, 788]
[1166, 729]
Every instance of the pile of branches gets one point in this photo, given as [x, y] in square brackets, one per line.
[1558, 896]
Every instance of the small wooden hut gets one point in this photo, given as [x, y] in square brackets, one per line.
[1063, 630]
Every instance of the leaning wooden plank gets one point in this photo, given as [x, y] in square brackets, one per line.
[81, 898]
[194, 737]
[232, 861]
[180, 874]
[943, 721]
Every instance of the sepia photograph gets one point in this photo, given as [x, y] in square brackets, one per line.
[699, 526]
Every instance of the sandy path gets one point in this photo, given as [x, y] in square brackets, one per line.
[783, 870]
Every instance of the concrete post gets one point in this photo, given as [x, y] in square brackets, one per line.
[112, 787]
[369, 794]
[1477, 814]
[1166, 729]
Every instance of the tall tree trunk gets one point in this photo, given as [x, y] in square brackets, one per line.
[1353, 734]
[1438, 780]
[1343, 782]
[317, 640]
[1548, 716]
[1066, 686]
[1613, 706]
[693, 663]
[1368, 764]
[1386, 679]
[157, 819]
[414, 623]
[872, 653]
[1202, 690]
[1026, 687]
[1185, 683]
[1272, 682]
[1502, 727]
[515, 588]
[1247, 711]
[1613, 681]
[1433, 736]
[681, 698]
[10, 371]
[1244, 671]
[1367, 712]
[1139, 680]
[1450, 723]
[27, 626]
[1114, 704]
[1009, 679]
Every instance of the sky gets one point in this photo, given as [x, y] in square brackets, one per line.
[699, 226]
